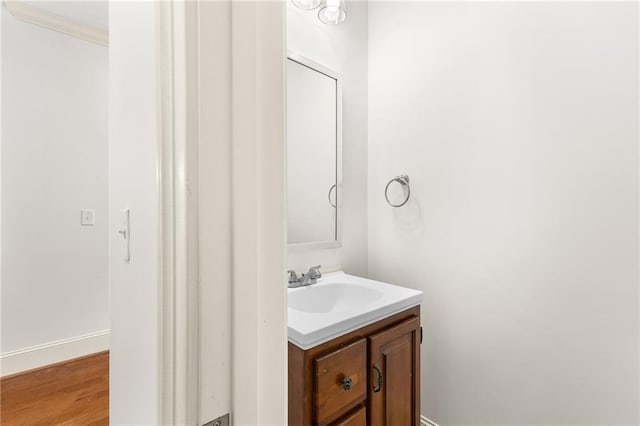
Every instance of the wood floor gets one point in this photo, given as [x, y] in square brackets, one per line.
[74, 392]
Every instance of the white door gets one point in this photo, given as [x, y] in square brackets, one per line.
[133, 158]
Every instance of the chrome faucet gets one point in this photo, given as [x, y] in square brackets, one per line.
[310, 277]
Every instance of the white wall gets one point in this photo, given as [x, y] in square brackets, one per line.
[518, 126]
[54, 163]
[133, 158]
[342, 48]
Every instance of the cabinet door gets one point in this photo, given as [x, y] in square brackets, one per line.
[394, 375]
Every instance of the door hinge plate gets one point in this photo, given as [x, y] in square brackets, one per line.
[220, 421]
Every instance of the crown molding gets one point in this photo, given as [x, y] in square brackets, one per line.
[54, 22]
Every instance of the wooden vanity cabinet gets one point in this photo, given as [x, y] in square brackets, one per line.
[370, 376]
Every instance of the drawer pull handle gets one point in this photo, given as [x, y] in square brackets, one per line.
[347, 383]
[376, 369]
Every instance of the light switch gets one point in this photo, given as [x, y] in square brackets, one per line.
[87, 217]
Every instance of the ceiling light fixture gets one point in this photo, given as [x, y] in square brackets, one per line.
[333, 12]
[306, 4]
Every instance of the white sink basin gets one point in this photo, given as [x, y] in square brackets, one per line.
[339, 303]
[332, 297]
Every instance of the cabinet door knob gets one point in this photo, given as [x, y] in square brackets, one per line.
[347, 383]
[377, 370]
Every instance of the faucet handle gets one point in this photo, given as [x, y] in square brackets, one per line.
[315, 270]
[293, 277]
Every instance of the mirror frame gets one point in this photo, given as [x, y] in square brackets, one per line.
[337, 242]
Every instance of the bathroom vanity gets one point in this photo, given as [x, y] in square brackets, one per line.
[354, 360]
[369, 376]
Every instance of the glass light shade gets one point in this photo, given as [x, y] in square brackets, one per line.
[333, 12]
[307, 4]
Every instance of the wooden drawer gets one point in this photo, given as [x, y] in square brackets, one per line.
[340, 381]
[359, 418]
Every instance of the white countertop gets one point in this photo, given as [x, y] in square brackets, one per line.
[340, 303]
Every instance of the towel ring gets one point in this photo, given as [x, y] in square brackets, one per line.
[402, 180]
[329, 195]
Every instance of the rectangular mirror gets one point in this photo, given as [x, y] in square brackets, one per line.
[314, 154]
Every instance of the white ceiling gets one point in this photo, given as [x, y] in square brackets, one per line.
[91, 13]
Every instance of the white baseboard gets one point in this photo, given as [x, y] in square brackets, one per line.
[51, 353]
[426, 422]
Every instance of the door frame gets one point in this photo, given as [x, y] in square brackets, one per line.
[251, 53]
[178, 391]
